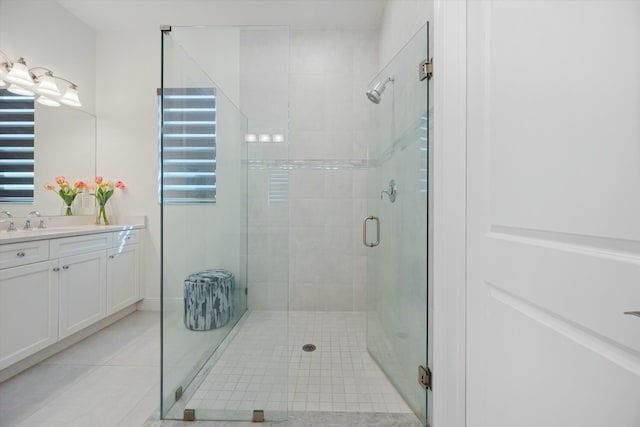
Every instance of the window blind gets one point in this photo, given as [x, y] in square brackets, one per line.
[189, 145]
[16, 147]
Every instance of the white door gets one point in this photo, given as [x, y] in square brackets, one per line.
[553, 213]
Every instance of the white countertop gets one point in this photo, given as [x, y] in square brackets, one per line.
[65, 227]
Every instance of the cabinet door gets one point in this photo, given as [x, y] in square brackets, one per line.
[82, 291]
[123, 281]
[28, 310]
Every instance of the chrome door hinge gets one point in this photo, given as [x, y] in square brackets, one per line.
[424, 377]
[189, 415]
[426, 69]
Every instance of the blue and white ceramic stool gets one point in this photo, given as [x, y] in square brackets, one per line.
[208, 300]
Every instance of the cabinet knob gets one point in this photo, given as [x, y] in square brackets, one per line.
[20, 254]
[65, 267]
[112, 256]
[56, 269]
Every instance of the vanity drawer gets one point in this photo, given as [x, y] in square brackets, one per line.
[125, 237]
[79, 244]
[16, 254]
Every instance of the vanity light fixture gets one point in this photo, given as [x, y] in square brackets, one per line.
[24, 81]
[19, 90]
[47, 85]
[49, 102]
[19, 74]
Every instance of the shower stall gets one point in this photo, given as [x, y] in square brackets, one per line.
[294, 187]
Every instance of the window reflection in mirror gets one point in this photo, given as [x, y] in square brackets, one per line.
[64, 145]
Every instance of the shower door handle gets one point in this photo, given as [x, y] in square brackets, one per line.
[364, 231]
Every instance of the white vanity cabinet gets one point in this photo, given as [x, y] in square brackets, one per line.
[123, 275]
[55, 287]
[28, 310]
[83, 290]
[82, 275]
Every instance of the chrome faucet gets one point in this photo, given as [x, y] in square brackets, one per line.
[28, 226]
[12, 226]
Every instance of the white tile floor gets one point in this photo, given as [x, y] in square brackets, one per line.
[112, 378]
[109, 379]
[338, 376]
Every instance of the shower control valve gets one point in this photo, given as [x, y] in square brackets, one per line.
[390, 191]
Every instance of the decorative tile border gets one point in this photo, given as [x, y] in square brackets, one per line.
[418, 133]
[311, 164]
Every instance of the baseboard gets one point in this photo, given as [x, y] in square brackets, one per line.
[153, 304]
[45, 353]
[149, 304]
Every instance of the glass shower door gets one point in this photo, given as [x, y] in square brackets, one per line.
[224, 201]
[396, 231]
[203, 194]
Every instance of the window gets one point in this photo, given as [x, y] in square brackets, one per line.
[278, 186]
[16, 147]
[189, 145]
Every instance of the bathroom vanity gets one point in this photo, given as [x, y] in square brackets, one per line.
[59, 281]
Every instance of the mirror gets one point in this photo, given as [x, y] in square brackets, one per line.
[65, 144]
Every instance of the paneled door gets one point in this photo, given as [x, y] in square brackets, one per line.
[553, 214]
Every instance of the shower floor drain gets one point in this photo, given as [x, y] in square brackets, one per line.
[308, 347]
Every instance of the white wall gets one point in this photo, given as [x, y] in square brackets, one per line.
[207, 46]
[330, 71]
[128, 133]
[312, 81]
[128, 74]
[47, 35]
[401, 20]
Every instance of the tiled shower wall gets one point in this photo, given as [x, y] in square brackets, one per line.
[330, 71]
[328, 74]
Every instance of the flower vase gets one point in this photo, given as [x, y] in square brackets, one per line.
[67, 209]
[102, 218]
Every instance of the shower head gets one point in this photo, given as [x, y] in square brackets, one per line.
[375, 94]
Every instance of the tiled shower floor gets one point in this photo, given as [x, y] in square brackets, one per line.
[339, 376]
